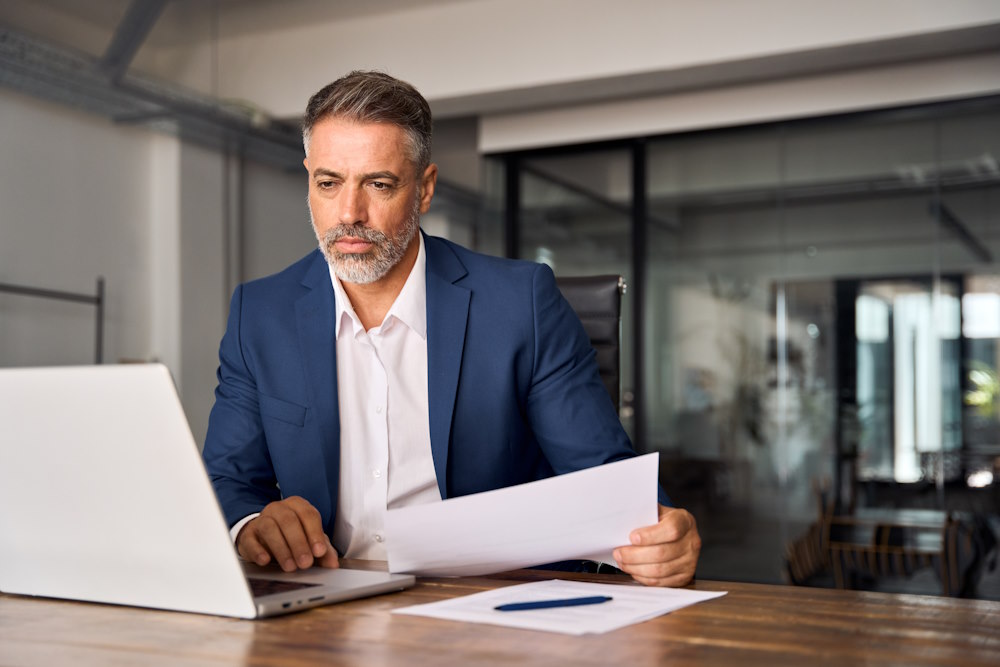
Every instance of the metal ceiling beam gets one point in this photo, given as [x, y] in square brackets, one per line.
[139, 19]
[69, 77]
[952, 223]
[60, 75]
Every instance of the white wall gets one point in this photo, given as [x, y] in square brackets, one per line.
[82, 197]
[75, 200]
[164, 294]
[276, 229]
[203, 290]
[186, 272]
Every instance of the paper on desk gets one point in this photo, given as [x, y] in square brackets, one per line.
[628, 605]
[584, 514]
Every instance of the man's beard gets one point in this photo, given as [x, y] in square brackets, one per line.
[385, 253]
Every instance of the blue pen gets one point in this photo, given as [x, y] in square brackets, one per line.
[548, 604]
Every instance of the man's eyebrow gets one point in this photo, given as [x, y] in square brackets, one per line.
[381, 176]
[373, 176]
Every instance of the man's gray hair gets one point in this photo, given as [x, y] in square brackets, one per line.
[374, 97]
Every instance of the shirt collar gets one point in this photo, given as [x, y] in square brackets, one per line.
[410, 306]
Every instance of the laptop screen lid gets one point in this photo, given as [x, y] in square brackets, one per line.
[104, 497]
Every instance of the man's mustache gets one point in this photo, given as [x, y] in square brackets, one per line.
[362, 232]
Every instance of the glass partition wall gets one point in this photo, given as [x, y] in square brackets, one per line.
[813, 316]
[576, 216]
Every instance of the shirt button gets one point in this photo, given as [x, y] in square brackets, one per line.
[377, 473]
[378, 409]
[378, 537]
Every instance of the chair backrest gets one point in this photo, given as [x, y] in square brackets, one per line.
[597, 301]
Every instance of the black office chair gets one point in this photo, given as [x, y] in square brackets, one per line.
[597, 301]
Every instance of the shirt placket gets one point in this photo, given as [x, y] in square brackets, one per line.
[378, 448]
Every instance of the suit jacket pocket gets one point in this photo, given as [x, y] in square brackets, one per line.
[292, 413]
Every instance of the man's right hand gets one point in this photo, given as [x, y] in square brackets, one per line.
[289, 532]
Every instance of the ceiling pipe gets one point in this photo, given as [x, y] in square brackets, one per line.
[76, 79]
[135, 26]
[951, 222]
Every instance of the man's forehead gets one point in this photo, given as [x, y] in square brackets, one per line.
[340, 128]
[344, 139]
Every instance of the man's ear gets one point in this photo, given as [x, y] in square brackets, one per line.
[427, 182]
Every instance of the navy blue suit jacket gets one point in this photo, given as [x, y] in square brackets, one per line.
[513, 387]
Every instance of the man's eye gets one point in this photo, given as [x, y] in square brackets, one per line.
[324, 185]
[379, 185]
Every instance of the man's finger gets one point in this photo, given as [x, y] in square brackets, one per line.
[250, 548]
[272, 537]
[329, 559]
[656, 553]
[289, 516]
[665, 554]
[676, 572]
[312, 525]
[655, 562]
[289, 531]
[673, 526]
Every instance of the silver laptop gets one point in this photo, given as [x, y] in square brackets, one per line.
[104, 498]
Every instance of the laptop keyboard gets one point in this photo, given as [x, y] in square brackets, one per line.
[262, 587]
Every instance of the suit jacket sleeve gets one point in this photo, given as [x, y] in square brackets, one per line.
[570, 412]
[236, 454]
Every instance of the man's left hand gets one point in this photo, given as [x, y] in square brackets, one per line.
[665, 554]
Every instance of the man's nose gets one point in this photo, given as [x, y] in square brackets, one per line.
[353, 207]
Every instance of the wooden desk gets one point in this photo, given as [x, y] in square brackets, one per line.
[753, 625]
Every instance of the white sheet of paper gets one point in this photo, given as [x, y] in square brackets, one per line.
[583, 514]
[629, 604]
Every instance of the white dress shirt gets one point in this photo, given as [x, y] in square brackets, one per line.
[385, 438]
[385, 441]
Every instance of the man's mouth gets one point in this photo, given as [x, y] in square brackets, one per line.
[348, 245]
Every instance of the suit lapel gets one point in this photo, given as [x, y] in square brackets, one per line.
[314, 313]
[447, 315]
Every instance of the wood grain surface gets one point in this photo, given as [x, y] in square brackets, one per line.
[752, 625]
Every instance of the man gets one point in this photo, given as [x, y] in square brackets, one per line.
[391, 368]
